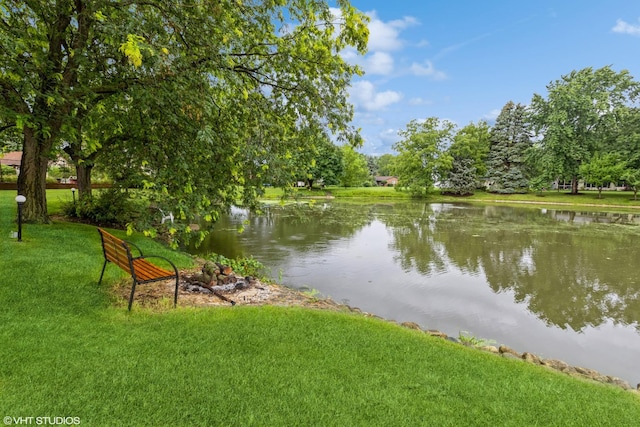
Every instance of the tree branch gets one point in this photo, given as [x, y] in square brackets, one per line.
[12, 99]
[5, 127]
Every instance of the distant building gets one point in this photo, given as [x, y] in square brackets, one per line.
[13, 159]
[384, 181]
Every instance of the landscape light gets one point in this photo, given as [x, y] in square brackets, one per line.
[20, 199]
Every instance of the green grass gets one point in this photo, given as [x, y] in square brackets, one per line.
[583, 198]
[66, 350]
[339, 192]
[613, 199]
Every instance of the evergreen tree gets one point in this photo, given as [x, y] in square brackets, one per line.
[462, 177]
[510, 140]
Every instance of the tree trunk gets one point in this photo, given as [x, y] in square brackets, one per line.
[83, 171]
[84, 166]
[32, 181]
[574, 185]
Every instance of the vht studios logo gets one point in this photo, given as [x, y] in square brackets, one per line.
[42, 421]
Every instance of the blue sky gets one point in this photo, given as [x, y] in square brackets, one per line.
[464, 60]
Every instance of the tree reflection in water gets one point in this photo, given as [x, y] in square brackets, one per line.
[571, 269]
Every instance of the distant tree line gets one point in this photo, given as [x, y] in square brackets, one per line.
[586, 128]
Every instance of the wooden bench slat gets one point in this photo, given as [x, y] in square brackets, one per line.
[147, 271]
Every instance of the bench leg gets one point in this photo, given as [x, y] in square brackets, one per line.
[133, 290]
[102, 274]
[175, 298]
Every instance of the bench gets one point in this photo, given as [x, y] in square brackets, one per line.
[118, 252]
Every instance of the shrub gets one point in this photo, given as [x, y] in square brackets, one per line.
[8, 174]
[111, 207]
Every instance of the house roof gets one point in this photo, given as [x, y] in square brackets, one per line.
[12, 158]
[385, 178]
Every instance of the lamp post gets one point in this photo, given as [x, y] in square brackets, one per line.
[73, 191]
[20, 199]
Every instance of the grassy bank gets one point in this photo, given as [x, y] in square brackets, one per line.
[613, 199]
[68, 351]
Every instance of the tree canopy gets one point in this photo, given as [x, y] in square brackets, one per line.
[603, 170]
[422, 159]
[188, 90]
[582, 111]
[355, 170]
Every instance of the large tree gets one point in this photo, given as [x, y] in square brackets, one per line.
[581, 112]
[422, 157]
[327, 166]
[355, 171]
[510, 140]
[385, 164]
[261, 61]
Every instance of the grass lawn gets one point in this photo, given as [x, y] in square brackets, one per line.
[620, 200]
[67, 350]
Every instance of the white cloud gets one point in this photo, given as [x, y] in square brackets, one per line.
[420, 101]
[385, 36]
[389, 135]
[492, 115]
[626, 28]
[379, 63]
[369, 118]
[363, 95]
[427, 70]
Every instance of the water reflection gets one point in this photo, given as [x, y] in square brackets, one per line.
[569, 276]
[564, 281]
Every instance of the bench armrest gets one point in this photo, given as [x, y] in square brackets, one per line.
[135, 246]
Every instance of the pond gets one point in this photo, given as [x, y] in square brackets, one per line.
[559, 284]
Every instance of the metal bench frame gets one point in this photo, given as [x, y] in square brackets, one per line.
[118, 252]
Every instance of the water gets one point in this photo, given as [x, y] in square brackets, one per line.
[560, 284]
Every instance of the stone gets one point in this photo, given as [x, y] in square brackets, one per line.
[436, 333]
[587, 372]
[555, 364]
[619, 382]
[490, 348]
[531, 358]
[504, 349]
[411, 325]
